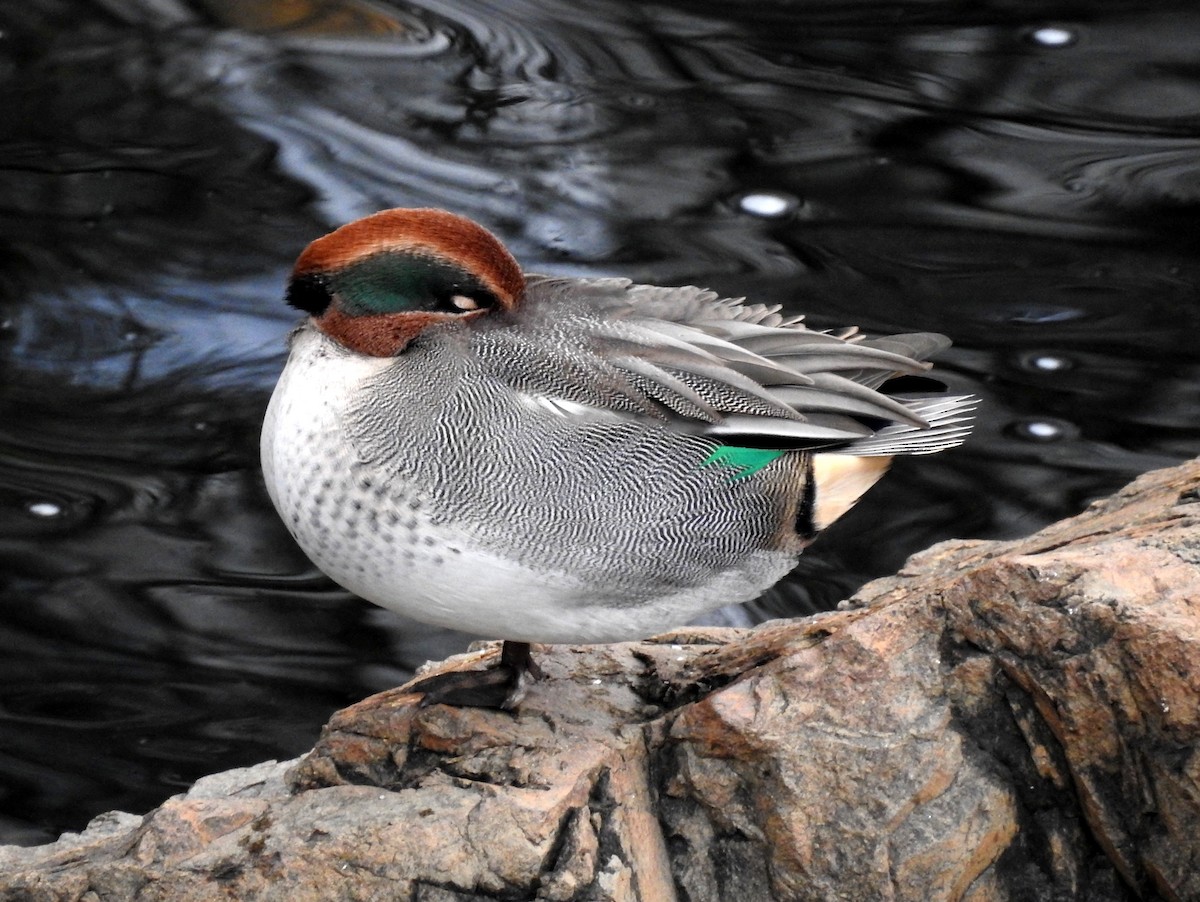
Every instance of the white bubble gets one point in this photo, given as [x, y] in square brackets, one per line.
[1044, 430]
[767, 205]
[1052, 36]
[1040, 429]
[1049, 363]
[45, 509]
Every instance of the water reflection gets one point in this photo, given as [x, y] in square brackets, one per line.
[1026, 183]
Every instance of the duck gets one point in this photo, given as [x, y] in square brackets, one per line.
[546, 459]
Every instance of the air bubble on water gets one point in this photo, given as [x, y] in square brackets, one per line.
[1041, 430]
[44, 509]
[1052, 36]
[1048, 363]
[767, 205]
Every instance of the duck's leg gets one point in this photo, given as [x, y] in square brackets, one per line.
[501, 685]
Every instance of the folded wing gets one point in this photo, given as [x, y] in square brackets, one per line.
[741, 373]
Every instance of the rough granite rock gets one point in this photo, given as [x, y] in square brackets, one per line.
[1000, 721]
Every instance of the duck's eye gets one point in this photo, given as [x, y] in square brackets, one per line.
[468, 301]
[462, 296]
[465, 302]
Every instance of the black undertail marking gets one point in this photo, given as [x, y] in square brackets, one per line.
[806, 527]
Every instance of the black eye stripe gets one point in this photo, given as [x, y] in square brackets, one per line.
[310, 293]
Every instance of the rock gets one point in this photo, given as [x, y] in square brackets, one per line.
[1000, 721]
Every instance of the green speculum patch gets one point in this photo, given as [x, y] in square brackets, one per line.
[742, 462]
[400, 282]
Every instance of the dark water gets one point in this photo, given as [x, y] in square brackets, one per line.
[1024, 177]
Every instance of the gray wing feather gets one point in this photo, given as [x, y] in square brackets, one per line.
[720, 367]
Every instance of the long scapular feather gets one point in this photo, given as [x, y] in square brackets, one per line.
[832, 392]
[847, 357]
[730, 381]
[667, 389]
[804, 432]
[761, 369]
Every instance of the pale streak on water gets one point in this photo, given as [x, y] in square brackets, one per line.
[1025, 182]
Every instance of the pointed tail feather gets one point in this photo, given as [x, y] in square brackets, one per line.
[949, 424]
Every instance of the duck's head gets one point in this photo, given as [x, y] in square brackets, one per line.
[376, 283]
